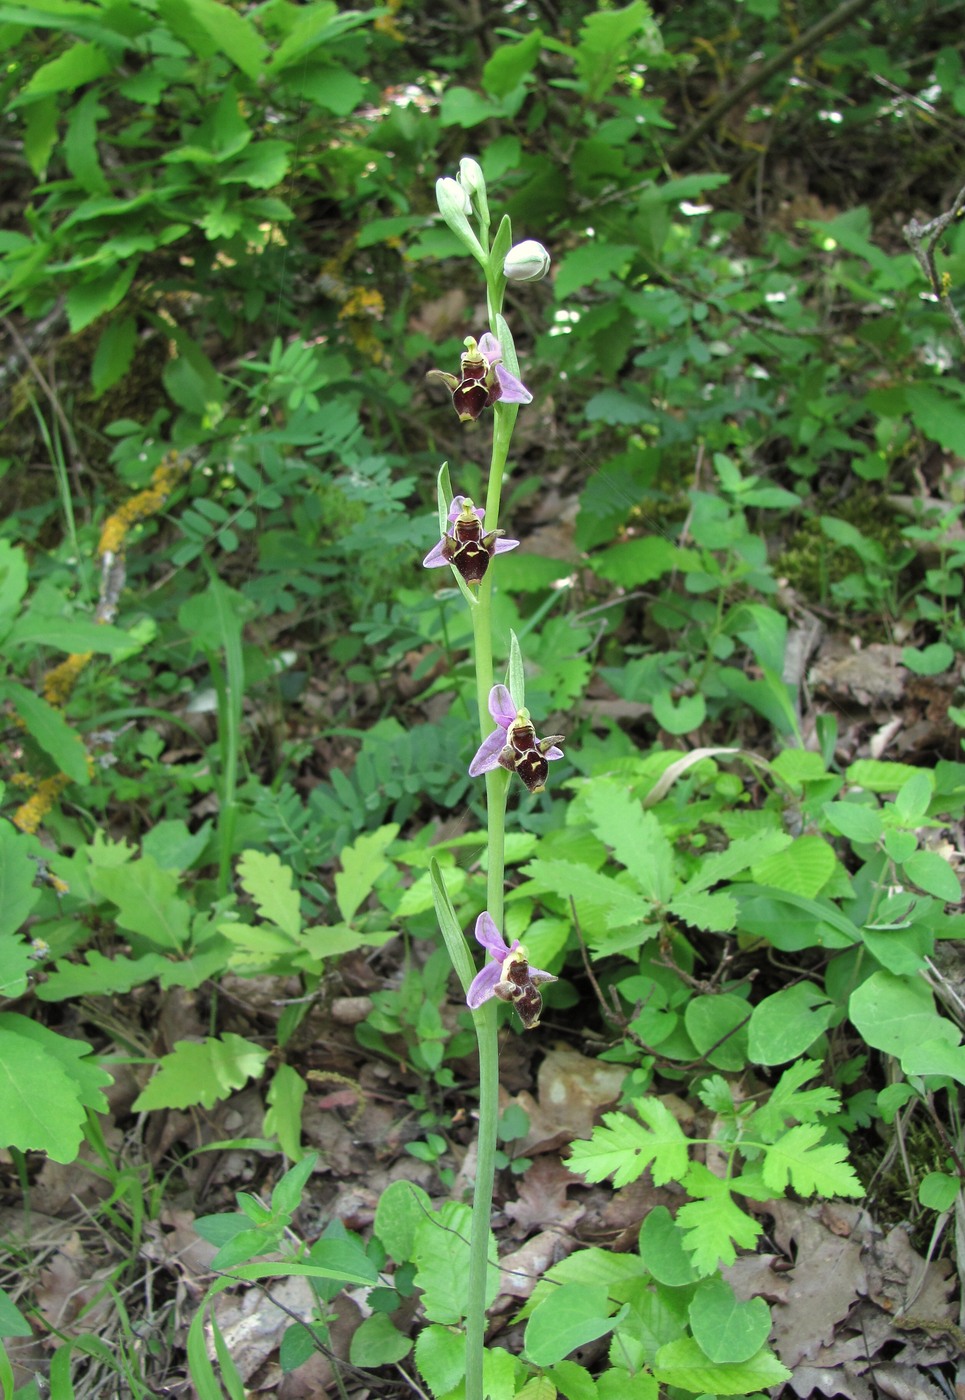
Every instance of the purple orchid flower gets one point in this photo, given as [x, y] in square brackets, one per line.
[482, 379]
[514, 744]
[509, 976]
[466, 546]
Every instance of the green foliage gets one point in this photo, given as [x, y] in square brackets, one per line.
[220, 241]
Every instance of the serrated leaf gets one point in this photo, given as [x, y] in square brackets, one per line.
[624, 1148]
[878, 775]
[716, 913]
[789, 1100]
[599, 898]
[713, 1223]
[684, 1365]
[440, 1252]
[855, 821]
[635, 836]
[810, 1165]
[147, 901]
[804, 867]
[362, 864]
[202, 1072]
[739, 856]
[270, 885]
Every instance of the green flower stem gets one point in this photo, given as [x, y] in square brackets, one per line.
[484, 1020]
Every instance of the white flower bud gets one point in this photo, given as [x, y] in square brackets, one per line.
[452, 199]
[471, 177]
[473, 182]
[526, 262]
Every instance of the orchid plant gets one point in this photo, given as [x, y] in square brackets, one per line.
[470, 545]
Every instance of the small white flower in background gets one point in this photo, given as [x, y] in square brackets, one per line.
[526, 262]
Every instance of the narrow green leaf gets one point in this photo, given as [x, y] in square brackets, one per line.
[50, 730]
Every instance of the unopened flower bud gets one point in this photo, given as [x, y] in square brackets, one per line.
[526, 262]
[452, 198]
[473, 182]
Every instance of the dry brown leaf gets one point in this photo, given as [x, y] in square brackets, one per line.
[541, 1199]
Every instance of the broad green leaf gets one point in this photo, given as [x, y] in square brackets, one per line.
[940, 413]
[791, 922]
[595, 260]
[784, 1024]
[936, 1191]
[49, 730]
[725, 1330]
[681, 716]
[662, 1249]
[878, 775]
[685, 1366]
[201, 1072]
[46, 1084]
[12, 1321]
[936, 1056]
[804, 867]
[270, 885]
[718, 1027]
[511, 63]
[855, 821]
[362, 864]
[79, 64]
[897, 1014]
[567, 1318]
[798, 766]
[401, 1208]
[96, 295]
[147, 902]
[378, 1342]
[233, 33]
[637, 561]
[933, 874]
[262, 166]
[928, 661]
[914, 797]
[440, 1356]
[810, 1165]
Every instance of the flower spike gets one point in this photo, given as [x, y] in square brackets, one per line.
[514, 745]
[466, 546]
[482, 379]
[509, 976]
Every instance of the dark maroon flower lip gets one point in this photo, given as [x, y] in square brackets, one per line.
[510, 976]
[514, 745]
[482, 379]
[467, 546]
